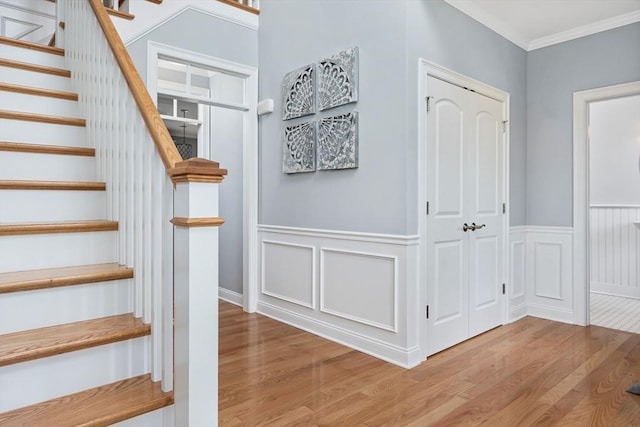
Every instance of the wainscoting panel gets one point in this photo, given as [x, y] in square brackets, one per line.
[549, 273]
[288, 272]
[615, 250]
[371, 279]
[517, 273]
[367, 288]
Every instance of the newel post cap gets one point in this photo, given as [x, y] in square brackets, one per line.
[197, 170]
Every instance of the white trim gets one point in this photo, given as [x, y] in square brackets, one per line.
[425, 69]
[249, 153]
[230, 296]
[615, 206]
[550, 313]
[311, 305]
[585, 30]
[227, 13]
[581, 202]
[406, 358]
[549, 229]
[391, 239]
[323, 309]
[488, 20]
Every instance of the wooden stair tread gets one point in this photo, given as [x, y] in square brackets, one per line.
[32, 46]
[119, 14]
[47, 149]
[100, 406]
[30, 90]
[22, 346]
[57, 227]
[65, 276]
[8, 184]
[42, 118]
[34, 67]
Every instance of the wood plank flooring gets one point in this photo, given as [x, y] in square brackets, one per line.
[533, 372]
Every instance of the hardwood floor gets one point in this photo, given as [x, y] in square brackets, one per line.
[533, 372]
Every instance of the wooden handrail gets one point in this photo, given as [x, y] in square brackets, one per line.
[157, 129]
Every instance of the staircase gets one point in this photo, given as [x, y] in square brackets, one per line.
[71, 350]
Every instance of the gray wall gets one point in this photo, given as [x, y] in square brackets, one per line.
[441, 34]
[553, 74]
[372, 198]
[207, 35]
[381, 195]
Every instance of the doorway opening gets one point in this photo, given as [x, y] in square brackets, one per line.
[602, 226]
[209, 108]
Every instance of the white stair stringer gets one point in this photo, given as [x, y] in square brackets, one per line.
[72, 303]
[18, 76]
[51, 205]
[49, 167]
[42, 133]
[21, 54]
[37, 251]
[42, 379]
[39, 104]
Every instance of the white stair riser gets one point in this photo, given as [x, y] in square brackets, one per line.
[164, 417]
[36, 251]
[47, 167]
[14, 101]
[65, 304]
[33, 78]
[42, 133]
[51, 205]
[31, 56]
[43, 379]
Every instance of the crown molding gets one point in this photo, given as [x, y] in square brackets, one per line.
[585, 30]
[472, 10]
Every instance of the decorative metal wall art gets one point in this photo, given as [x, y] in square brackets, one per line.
[337, 146]
[338, 79]
[298, 93]
[298, 148]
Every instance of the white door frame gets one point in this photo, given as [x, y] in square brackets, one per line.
[581, 274]
[249, 153]
[425, 69]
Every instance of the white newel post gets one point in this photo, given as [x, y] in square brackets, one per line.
[196, 225]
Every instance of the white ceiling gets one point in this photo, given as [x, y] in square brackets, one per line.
[532, 24]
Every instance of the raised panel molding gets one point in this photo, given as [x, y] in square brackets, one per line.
[288, 272]
[370, 279]
[367, 288]
[541, 273]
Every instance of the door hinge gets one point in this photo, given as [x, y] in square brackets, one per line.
[427, 208]
[427, 313]
[504, 289]
[504, 208]
[428, 99]
[504, 126]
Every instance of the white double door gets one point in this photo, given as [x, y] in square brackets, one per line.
[465, 185]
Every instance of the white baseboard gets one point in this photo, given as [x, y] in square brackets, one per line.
[550, 313]
[406, 358]
[615, 293]
[230, 296]
[517, 313]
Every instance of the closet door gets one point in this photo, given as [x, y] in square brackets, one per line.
[465, 177]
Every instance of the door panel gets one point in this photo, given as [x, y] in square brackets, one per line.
[465, 173]
[449, 148]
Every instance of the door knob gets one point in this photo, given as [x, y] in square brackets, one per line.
[466, 227]
[477, 227]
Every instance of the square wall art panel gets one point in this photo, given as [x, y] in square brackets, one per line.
[338, 79]
[299, 148]
[338, 142]
[298, 93]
